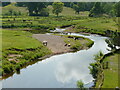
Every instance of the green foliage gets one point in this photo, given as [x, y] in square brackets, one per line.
[76, 47]
[76, 8]
[96, 10]
[5, 3]
[108, 8]
[57, 7]
[44, 12]
[34, 8]
[83, 6]
[27, 56]
[99, 56]
[12, 10]
[7, 68]
[114, 41]
[117, 9]
[94, 68]
[17, 67]
[80, 84]
[1, 71]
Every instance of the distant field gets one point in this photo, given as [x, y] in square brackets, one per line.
[5, 10]
[82, 22]
[100, 24]
[68, 12]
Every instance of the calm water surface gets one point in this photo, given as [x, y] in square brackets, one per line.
[59, 71]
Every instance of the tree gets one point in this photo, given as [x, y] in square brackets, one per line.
[20, 4]
[67, 4]
[96, 10]
[57, 7]
[34, 8]
[117, 9]
[76, 8]
[5, 3]
[114, 41]
[108, 8]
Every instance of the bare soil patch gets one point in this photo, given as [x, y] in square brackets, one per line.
[55, 43]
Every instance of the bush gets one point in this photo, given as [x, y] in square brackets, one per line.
[7, 68]
[1, 71]
[75, 47]
[94, 69]
[17, 67]
[80, 84]
[44, 12]
[13, 62]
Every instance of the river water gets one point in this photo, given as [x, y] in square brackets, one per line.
[60, 71]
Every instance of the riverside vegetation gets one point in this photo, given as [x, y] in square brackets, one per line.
[106, 67]
[19, 48]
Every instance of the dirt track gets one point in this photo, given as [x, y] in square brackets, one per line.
[55, 43]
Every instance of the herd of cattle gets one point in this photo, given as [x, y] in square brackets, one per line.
[71, 37]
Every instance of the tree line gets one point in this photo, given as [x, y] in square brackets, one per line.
[95, 8]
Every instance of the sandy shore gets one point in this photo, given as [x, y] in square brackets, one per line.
[55, 43]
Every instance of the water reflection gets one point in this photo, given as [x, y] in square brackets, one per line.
[60, 71]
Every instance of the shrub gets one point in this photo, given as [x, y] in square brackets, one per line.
[80, 84]
[7, 68]
[44, 12]
[12, 62]
[17, 67]
[75, 47]
[94, 69]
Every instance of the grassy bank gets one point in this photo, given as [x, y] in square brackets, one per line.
[105, 70]
[110, 73]
[79, 43]
[19, 48]
[76, 42]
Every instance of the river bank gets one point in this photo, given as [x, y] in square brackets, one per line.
[18, 49]
[61, 70]
[108, 69]
[64, 43]
[27, 53]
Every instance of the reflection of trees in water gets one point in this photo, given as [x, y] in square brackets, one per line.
[114, 41]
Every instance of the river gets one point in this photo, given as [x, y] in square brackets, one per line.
[60, 71]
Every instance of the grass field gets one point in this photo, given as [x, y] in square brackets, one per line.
[68, 12]
[75, 45]
[6, 9]
[19, 49]
[83, 43]
[18, 39]
[111, 74]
